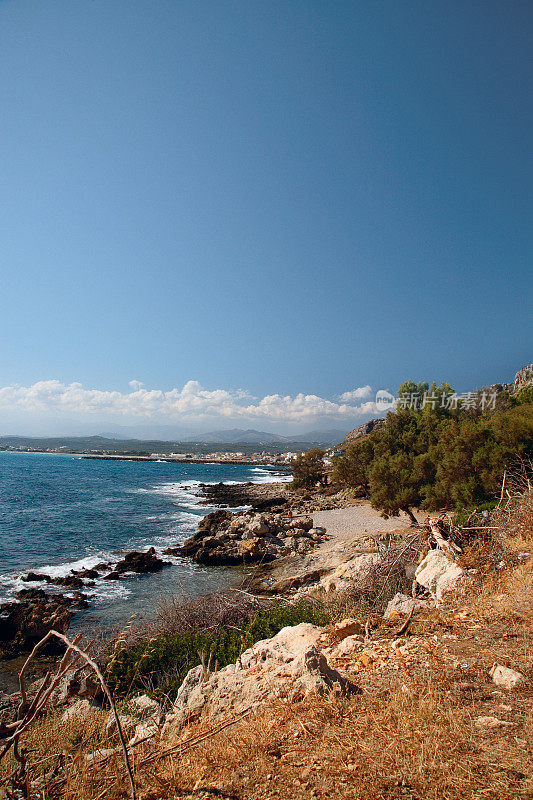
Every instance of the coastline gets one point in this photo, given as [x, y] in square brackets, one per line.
[299, 570]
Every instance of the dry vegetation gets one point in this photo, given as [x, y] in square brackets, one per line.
[416, 731]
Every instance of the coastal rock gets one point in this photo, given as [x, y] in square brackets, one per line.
[139, 562]
[223, 538]
[86, 573]
[440, 575]
[68, 581]
[24, 624]
[287, 665]
[303, 523]
[211, 522]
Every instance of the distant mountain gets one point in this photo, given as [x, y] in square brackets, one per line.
[233, 435]
[333, 436]
[250, 436]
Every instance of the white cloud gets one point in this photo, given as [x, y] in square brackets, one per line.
[190, 403]
[356, 394]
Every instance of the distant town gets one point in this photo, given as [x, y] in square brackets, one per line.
[273, 454]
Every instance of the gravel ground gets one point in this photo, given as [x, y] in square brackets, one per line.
[344, 524]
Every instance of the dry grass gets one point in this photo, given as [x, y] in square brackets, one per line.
[416, 743]
[412, 733]
[51, 741]
[503, 591]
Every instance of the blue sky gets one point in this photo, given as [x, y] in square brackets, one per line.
[292, 199]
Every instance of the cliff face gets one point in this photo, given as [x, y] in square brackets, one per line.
[524, 377]
[363, 430]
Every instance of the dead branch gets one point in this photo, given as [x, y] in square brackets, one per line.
[27, 714]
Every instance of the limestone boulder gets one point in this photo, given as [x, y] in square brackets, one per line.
[287, 665]
[351, 572]
[144, 707]
[440, 575]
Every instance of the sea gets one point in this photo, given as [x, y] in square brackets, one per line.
[63, 512]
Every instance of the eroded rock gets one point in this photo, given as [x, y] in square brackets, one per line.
[289, 664]
[440, 575]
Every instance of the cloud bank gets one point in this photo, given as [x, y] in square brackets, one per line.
[192, 403]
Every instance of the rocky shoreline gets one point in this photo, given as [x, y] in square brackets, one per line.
[274, 524]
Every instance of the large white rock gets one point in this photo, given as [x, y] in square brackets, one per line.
[287, 665]
[258, 526]
[506, 677]
[440, 575]
[349, 573]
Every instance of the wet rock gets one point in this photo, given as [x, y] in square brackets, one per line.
[86, 573]
[36, 577]
[69, 581]
[139, 562]
[113, 576]
[32, 594]
[24, 624]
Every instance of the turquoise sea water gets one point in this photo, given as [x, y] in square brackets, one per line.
[63, 512]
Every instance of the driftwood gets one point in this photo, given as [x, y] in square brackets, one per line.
[441, 532]
[10, 733]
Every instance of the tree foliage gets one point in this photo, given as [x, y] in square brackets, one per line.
[438, 456]
[308, 468]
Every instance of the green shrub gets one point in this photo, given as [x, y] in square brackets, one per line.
[441, 455]
[160, 665]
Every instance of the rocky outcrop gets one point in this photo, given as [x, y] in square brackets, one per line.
[225, 538]
[363, 430]
[68, 581]
[523, 378]
[260, 496]
[287, 665]
[24, 624]
[138, 562]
